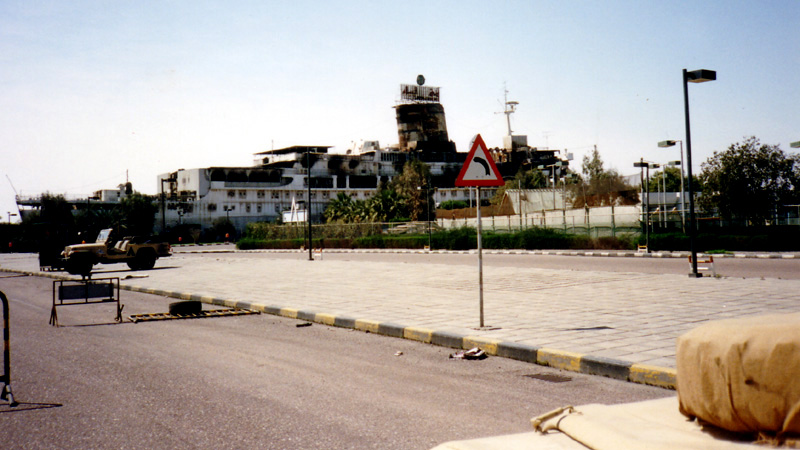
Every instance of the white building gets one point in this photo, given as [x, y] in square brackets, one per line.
[279, 178]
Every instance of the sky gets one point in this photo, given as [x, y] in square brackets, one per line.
[96, 92]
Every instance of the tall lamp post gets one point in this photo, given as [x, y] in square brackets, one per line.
[668, 143]
[695, 76]
[796, 145]
[658, 192]
[308, 207]
[645, 183]
[428, 204]
[163, 206]
[676, 164]
[546, 170]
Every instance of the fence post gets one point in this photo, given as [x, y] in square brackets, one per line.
[613, 222]
[6, 394]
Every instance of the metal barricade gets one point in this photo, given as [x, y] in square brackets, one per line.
[6, 394]
[85, 292]
[705, 263]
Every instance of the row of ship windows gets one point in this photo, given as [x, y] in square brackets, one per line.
[277, 195]
[259, 207]
[242, 194]
[249, 208]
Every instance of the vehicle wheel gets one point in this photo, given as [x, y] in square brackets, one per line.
[79, 265]
[133, 264]
[185, 308]
[145, 260]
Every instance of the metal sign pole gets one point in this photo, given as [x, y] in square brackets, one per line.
[480, 255]
[479, 170]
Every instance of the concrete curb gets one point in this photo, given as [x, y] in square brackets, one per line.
[592, 253]
[591, 365]
[576, 362]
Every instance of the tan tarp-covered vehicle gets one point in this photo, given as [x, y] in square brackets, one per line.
[738, 387]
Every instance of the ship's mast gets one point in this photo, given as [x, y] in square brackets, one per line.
[510, 108]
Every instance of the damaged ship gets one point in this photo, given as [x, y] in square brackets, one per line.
[279, 179]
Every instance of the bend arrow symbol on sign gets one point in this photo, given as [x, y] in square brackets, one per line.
[479, 168]
[483, 162]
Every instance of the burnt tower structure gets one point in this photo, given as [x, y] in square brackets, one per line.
[421, 124]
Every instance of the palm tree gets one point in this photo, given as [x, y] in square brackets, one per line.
[388, 205]
[339, 209]
[415, 174]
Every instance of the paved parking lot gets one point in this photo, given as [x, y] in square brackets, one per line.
[632, 317]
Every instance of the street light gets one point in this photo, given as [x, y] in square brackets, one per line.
[428, 204]
[568, 176]
[683, 205]
[695, 76]
[645, 183]
[308, 207]
[10, 215]
[674, 164]
[658, 192]
[163, 207]
[546, 171]
[795, 144]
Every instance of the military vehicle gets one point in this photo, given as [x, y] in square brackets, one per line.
[140, 253]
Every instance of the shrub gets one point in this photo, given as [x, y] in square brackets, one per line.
[463, 238]
[453, 204]
[544, 238]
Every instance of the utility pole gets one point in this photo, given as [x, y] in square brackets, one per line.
[308, 206]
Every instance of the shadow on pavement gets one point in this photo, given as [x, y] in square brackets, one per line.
[27, 406]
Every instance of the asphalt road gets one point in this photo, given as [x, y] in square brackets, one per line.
[257, 381]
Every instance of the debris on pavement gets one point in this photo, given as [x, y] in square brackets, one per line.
[473, 353]
[307, 324]
[398, 354]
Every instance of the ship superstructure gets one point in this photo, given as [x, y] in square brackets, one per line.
[278, 180]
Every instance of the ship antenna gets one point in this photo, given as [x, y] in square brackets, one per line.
[510, 108]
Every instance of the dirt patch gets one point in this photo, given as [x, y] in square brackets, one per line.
[466, 213]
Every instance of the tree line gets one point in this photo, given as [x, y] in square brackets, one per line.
[749, 181]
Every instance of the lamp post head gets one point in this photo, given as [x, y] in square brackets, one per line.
[795, 144]
[674, 163]
[701, 76]
[667, 143]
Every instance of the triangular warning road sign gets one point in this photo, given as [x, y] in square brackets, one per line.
[479, 168]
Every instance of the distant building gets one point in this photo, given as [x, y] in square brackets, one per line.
[102, 199]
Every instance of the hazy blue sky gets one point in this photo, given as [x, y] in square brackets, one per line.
[90, 89]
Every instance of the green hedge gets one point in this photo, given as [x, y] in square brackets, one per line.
[463, 238]
[453, 204]
[746, 239]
